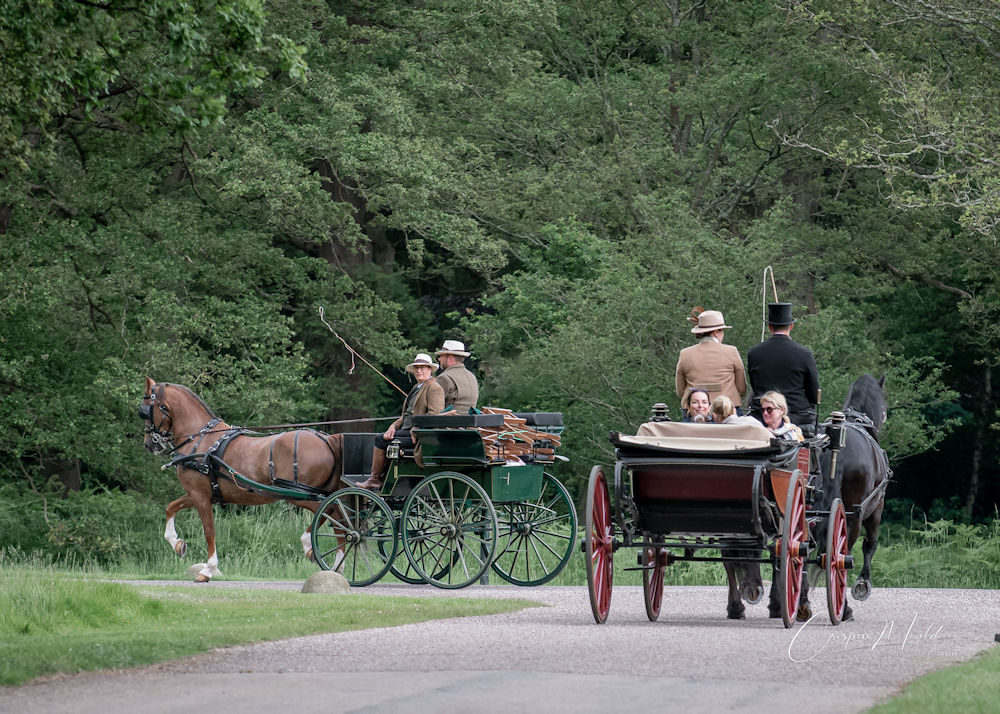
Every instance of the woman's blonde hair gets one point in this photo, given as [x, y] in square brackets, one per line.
[722, 407]
[778, 400]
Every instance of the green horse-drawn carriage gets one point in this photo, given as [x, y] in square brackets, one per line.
[448, 513]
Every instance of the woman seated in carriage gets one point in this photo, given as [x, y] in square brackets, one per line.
[774, 409]
[426, 397]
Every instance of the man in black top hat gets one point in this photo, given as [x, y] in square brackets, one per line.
[781, 364]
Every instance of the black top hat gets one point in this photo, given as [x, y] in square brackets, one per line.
[779, 314]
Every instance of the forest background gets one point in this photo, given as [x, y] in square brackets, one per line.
[184, 184]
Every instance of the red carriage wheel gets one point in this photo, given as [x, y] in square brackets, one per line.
[597, 545]
[794, 546]
[835, 562]
[652, 581]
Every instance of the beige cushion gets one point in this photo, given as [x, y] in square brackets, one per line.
[686, 436]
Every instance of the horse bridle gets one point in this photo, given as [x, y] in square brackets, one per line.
[159, 435]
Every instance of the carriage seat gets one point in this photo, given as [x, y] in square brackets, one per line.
[541, 418]
[700, 438]
[457, 421]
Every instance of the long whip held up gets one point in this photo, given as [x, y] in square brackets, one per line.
[763, 302]
[355, 353]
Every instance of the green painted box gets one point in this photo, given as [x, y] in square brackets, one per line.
[514, 483]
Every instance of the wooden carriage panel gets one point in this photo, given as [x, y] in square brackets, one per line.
[680, 498]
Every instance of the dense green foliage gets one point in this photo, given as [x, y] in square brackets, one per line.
[184, 185]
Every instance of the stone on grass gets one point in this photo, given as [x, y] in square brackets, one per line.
[327, 582]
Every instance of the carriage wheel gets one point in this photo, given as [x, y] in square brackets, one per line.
[536, 537]
[403, 569]
[353, 533]
[835, 562]
[794, 544]
[652, 581]
[449, 530]
[597, 546]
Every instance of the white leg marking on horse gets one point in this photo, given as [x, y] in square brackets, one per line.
[306, 539]
[338, 562]
[170, 534]
[211, 568]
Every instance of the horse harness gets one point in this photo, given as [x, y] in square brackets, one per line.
[210, 462]
[862, 423]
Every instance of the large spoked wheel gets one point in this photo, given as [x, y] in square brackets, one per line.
[835, 562]
[353, 533]
[794, 547]
[598, 545]
[652, 581]
[536, 537]
[403, 569]
[449, 520]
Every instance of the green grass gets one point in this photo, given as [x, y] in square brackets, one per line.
[971, 688]
[52, 623]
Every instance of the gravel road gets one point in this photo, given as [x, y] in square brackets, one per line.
[556, 659]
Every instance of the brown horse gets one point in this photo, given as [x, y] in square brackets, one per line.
[180, 423]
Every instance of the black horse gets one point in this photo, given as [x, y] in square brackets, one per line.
[860, 481]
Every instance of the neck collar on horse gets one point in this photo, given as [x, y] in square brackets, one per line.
[861, 419]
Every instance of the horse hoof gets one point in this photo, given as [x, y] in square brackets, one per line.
[310, 556]
[773, 613]
[848, 614]
[804, 613]
[202, 578]
[181, 548]
[861, 590]
[752, 595]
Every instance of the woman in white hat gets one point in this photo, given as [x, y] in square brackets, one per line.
[426, 397]
[709, 364]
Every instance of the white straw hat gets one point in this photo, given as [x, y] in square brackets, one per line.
[453, 347]
[422, 360]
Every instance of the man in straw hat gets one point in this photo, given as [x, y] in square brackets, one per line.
[709, 364]
[461, 388]
[782, 365]
[426, 397]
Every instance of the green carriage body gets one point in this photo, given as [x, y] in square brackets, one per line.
[456, 510]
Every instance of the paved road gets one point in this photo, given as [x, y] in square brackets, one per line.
[557, 660]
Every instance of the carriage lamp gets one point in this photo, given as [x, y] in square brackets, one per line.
[836, 431]
[660, 412]
[392, 450]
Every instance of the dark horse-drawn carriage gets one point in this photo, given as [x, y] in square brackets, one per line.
[682, 491]
[445, 516]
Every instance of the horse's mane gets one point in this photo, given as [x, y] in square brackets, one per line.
[194, 396]
[866, 396]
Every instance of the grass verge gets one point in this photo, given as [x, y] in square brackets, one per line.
[970, 687]
[51, 623]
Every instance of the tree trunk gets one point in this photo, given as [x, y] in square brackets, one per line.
[982, 416]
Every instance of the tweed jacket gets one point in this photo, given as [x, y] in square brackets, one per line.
[429, 399]
[461, 389]
[782, 364]
[713, 366]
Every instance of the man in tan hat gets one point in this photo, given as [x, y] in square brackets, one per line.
[461, 388]
[709, 364]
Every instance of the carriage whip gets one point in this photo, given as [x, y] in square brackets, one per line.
[763, 302]
[355, 353]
